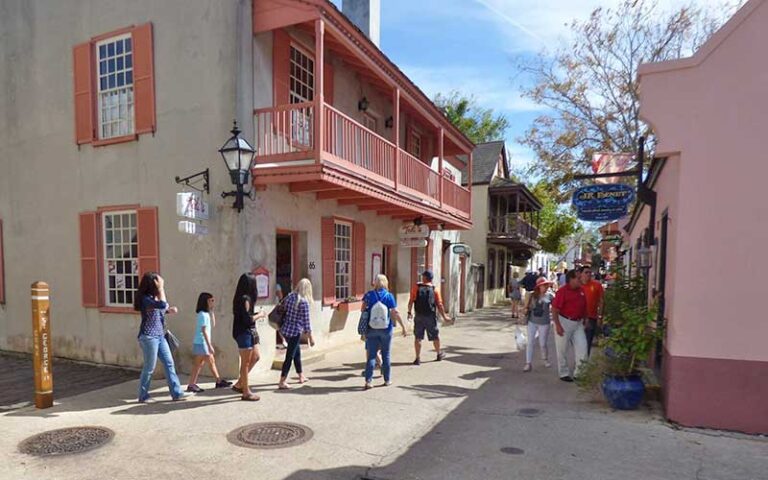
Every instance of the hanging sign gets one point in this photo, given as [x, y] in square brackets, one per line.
[462, 249]
[603, 202]
[414, 231]
[610, 162]
[192, 228]
[413, 242]
[262, 282]
[191, 205]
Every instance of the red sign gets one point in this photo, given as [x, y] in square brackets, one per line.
[608, 162]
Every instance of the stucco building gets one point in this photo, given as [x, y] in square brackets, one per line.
[505, 233]
[107, 102]
[709, 113]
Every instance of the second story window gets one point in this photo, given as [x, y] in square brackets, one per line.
[115, 87]
[415, 143]
[302, 77]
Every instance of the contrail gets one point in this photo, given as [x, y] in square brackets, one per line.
[511, 20]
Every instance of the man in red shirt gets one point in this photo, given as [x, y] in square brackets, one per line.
[593, 290]
[569, 309]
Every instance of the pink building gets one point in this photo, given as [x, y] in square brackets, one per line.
[709, 112]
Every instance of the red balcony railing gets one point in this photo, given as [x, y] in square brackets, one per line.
[456, 196]
[417, 175]
[284, 132]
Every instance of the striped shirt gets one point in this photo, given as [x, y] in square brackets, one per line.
[152, 316]
[296, 317]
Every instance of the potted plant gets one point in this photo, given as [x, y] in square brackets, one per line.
[349, 304]
[631, 336]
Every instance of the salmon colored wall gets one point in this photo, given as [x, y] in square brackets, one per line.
[713, 112]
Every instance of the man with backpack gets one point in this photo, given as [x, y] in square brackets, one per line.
[427, 302]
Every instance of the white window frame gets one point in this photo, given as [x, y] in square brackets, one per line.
[306, 80]
[133, 260]
[342, 260]
[122, 97]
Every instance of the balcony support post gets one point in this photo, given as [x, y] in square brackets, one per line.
[396, 127]
[469, 183]
[440, 150]
[319, 117]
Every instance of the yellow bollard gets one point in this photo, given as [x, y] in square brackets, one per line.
[41, 338]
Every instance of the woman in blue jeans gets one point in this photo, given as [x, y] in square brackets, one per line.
[380, 328]
[150, 301]
[296, 323]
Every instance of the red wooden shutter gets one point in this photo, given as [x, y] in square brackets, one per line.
[84, 93]
[144, 79]
[149, 241]
[281, 67]
[328, 83]
[328, 257]
[358, 257]
[89, 258]
[2, 266]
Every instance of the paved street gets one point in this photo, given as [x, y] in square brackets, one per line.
[473, 416]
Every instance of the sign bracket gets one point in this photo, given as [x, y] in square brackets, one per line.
[189, 181]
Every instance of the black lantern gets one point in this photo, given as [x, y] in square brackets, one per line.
[238, 156]
[362, 105]
[389, 122]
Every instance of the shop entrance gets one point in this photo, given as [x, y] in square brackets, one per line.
[284, 268]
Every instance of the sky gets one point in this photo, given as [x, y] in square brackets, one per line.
[473, 46]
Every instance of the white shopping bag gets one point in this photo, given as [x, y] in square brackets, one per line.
[521, 338]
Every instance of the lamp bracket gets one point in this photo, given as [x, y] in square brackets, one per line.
[193, 179]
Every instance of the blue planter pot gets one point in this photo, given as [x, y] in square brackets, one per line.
[624, 393]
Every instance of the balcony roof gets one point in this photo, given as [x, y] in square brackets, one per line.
[505, 186]
[282, 13]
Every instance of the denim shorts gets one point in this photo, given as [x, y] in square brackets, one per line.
[247, 340]
[200, 349]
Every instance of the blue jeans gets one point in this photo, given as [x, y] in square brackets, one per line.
[376, 340]
[154, 347]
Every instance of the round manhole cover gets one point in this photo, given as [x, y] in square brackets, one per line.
[270, 435]
[529, 412]
[66, 441]
[512, 451]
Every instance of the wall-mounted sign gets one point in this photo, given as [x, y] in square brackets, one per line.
[262, 282]
[603, 202]
[191, 205]
[413, 242]
[414, 231]
[462, 249]
[192, 228]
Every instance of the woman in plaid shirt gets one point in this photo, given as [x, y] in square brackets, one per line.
[296, 322]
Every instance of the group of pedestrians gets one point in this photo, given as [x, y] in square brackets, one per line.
[575, 312]
[379, 309]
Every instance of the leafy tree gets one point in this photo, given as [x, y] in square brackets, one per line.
[558, 222]
[477, 123]
[590, 87]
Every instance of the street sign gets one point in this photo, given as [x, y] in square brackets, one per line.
[414, 231]
[191, 205]
[462, 249]
[603, 202]
[192, 228]
[413, 242]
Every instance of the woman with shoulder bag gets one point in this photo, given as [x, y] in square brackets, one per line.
[244, 332]
[295, 323]
[537, 317]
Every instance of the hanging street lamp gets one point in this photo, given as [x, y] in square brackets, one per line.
[238, 155]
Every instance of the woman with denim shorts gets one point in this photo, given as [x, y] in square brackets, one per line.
[244, 332]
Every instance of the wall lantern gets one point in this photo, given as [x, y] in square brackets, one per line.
[362, 105]
[645, 257]
[389, 122]
[238, 155]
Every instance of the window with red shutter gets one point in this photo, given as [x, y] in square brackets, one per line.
[89, 259]
[149, 242]
[328, 83]
[84, 95]
[144, 78]
[281, 51]
[327, 237]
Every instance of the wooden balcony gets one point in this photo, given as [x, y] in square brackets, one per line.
[512, 231]
[353, 165]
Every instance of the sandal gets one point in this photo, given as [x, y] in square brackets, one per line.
[283, 386]
[305, 380]
[367, 386]
[250, 398]
[237, 389]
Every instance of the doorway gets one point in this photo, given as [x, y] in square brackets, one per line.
[389, 266]
[480, 289]
[462, 283]
[285, 264]
[661, 289]
[445, 274]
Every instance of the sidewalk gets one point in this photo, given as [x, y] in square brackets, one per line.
[473, 416]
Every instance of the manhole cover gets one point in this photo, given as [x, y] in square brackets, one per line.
[512, 451]
[529, 412]
[66, 441]
[270, 435]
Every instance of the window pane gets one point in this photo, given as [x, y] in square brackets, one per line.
[129, 77]
[119, 47]
[128, 44]
[120, 61]
[128, 61]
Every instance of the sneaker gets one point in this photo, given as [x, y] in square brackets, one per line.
[440, 356]
[417, 361]
[527, 367]
[180, 398]
[194, 389]
[566, 379]
[148, 400]
[547, 364]
[223, 384]
[388, 383]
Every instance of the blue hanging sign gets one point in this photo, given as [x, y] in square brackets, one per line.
[604, 202]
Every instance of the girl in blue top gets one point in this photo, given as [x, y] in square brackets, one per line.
[202, 346]
[379, 334]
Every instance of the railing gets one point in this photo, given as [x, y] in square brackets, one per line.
[512, 224]
[456, 196]
[284, 130]
[417, 175]
[350, 141]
